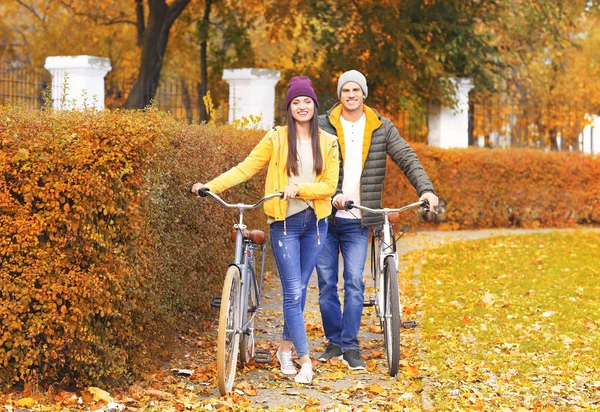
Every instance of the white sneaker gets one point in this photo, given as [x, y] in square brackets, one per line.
[286, 363]
[306, 373]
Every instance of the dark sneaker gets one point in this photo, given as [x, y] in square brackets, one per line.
[353, 359]
[332, 351]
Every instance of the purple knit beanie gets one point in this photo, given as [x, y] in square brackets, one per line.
[300, 86]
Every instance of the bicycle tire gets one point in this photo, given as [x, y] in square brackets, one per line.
[228, 336]
[376, 275]
[247, 340]
[391, 319]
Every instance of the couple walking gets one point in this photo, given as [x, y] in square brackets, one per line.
[319, 162]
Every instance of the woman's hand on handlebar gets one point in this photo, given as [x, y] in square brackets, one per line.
[290, 192]
[196, 189]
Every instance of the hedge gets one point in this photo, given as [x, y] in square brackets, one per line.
[104, 254]
[500, 188]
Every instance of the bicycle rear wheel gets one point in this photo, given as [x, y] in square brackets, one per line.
[247, 340]
[391, 319]
[228, 336]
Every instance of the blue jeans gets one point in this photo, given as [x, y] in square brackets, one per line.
[349, 237]
[296, 254]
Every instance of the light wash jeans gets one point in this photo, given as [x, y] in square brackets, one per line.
[349, 237]
[296, 254]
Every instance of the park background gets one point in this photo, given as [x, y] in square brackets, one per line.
[105, 258]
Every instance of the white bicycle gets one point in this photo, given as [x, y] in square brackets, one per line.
[384, 270]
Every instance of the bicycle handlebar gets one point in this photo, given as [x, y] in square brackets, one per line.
[421, 203]
[205, 192]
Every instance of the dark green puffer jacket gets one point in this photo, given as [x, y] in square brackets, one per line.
[381, 138]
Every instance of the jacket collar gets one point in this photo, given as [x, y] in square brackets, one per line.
[373, 120]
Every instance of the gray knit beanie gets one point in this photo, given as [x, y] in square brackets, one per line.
[353, 76]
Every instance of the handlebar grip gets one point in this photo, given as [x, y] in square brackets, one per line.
[203, 192]
[349, 204]
[425, 206]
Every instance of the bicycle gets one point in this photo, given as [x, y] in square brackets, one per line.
[384, 270]
[240, 299]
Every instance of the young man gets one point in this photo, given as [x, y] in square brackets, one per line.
[365, 137]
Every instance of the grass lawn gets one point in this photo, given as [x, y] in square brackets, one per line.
[509, 322]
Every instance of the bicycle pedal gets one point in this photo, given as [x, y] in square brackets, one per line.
[262, 356]
[370, 302]
[408, 324]
[215, 302]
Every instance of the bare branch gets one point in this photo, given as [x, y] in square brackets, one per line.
[31, 9]
[175, 10]
[100, 19]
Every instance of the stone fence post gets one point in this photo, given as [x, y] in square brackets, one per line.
[252, 92]
[78, 81]
[590, 138]
[450, 127]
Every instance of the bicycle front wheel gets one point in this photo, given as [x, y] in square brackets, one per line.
[391, 318]
[228, 337]
[247, 340]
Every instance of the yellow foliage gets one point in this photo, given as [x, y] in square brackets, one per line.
[210, 108]
[247, 122]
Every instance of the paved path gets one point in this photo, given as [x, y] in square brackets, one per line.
[333, 384]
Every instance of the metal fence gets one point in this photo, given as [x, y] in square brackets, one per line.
[182, 99]
[493, 121]
[24, 87]
[33, 87]
[505, 120]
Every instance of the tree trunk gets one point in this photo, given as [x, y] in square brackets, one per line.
[154, 44]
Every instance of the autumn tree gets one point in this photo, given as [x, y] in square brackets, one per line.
[549, 49]
[403, 47]
[153, 36]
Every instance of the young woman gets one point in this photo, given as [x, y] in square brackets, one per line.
[303, 163]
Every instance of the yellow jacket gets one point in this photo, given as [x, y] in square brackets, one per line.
[273, 149]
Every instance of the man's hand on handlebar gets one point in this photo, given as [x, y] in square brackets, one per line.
[340, 202]
[431, 199]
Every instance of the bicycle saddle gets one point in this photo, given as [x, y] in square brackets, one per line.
[255, 236]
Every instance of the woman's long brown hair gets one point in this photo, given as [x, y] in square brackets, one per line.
[292, 159]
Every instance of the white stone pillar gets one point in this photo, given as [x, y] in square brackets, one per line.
[450, 127]
[78, 81]
[252, 92]
[590, 138]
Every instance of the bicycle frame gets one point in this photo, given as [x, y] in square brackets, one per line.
[244, 251]
[386, 247]
[387, 295]
[236, 332]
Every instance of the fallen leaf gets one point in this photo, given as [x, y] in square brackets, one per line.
[26, 402]
[99, 395]
[488, 299]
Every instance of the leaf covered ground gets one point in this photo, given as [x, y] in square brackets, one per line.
[505, 323]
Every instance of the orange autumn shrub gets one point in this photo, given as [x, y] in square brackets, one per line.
[104, 254]
[193, 235]
[71, 225]
[498, 188]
